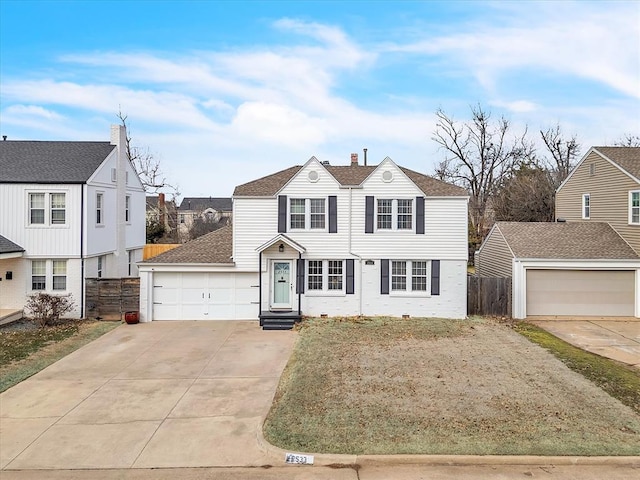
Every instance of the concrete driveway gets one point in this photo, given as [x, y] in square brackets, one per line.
[160, 394]
[616, 339]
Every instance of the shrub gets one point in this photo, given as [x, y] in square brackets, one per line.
[46, 309]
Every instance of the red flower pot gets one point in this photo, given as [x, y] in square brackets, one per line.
[131, 317]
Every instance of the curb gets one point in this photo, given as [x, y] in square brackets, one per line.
[277, 454]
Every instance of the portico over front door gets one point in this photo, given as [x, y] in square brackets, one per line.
[281, 286]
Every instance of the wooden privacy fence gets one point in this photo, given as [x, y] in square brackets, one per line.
[110, 298]
[489, 296]
[153, 249]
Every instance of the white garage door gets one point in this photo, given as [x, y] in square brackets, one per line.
[580, 293]
[205, 296]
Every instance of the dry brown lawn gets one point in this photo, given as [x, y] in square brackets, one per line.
[432, 386]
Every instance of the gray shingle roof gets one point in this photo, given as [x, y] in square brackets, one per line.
[50, 162]
[572, 240]
[7, 246]
[200, 204]
[347, 175]
[626, 157]
[214, 247]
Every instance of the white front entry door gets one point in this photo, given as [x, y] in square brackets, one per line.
[281, 284]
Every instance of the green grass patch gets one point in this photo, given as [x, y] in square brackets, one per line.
[618, 380]
[24, 353]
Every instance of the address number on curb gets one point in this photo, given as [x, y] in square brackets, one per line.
[300, 459]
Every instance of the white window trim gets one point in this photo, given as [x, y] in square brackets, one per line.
[408, 278]
[631, 193]
[47, 208]
[127, 209]
[48, 276]
[101, 208]
[307, 215]
[586, 196]
[325, 292]
[394, 215]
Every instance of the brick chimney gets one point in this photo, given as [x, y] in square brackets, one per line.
[354, 159]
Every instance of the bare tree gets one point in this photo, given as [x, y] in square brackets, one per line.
[563, 153]
[147, 166]
[628, 140]
[526, 196]
[479, 154]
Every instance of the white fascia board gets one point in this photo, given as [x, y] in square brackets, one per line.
[580, 264]
[186, 267]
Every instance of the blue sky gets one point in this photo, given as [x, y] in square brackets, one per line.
[225, 92]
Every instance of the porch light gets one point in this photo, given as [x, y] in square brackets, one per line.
[281, 248]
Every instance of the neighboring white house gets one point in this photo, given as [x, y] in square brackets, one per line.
[68, 211]
[320, 239]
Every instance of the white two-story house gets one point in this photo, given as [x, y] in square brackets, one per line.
[320, 240]
[68, 211]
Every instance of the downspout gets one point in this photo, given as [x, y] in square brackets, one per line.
[298, 286]
[82, 279]
[355, 254]
[260, 287]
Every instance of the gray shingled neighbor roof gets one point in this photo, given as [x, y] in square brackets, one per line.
[626, 157]
[346, 175]
[214, 247]
[50, 162]
[7, 246]
[572, 240]
[200, 204]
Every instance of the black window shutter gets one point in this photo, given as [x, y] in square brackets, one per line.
[435, 277]
[282, 213]
[300, 276]
[384, 277]
[419, 214]
[333, 214]
[350, 277]
[368, 215]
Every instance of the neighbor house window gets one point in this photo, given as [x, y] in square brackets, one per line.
[634, 207]
[131, 258]
[38, 274]
[182, 218]
[58, 208]
[101, 264]
[325, 275]
[127, 207]
[36, 208]
[586, 206]
[59, 274]
[395, 214]
[99, 208]
[409, 275]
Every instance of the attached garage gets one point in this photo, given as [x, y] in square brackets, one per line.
[608, 293]
[205, 296]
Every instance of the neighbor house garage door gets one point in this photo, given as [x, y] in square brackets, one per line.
[580, 293]
[205, 296]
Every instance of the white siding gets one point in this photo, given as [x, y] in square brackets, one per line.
[55, 240]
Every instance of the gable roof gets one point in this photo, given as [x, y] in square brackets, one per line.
[200, 204]
[214, 247]
[572, 240]
[346, 175]
[627, 158]
[7, 246]
[50, 162]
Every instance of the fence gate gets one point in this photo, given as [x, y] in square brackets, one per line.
[110, 298]
[489, 296]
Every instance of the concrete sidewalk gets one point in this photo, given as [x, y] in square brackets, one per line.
[616, 339]
[161, 394]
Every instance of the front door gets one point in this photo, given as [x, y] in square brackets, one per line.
[281, 285]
